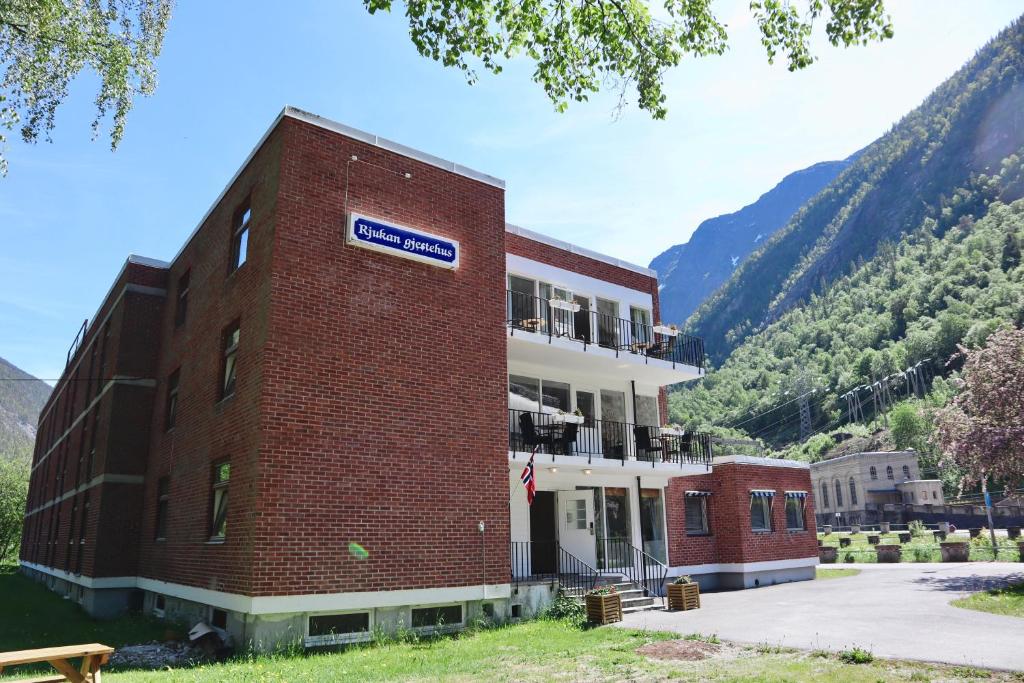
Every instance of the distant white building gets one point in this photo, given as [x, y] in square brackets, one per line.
[859, 484]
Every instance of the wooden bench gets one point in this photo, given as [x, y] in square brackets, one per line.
[93, 657]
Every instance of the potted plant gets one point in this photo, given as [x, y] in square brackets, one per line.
[604, 605]
[683, 594]
[884, 527]
[666, 330]
[564, 305]
[672, 430]
[855, 528]
[575, 417]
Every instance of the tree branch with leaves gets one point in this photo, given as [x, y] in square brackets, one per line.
[578, 46]
[45, 44]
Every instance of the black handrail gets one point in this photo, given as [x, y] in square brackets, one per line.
[609, 439]
[534, 561]
[619, 555]
[529, 313]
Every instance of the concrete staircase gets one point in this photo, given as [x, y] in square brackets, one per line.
[633, 598]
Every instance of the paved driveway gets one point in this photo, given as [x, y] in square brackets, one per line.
[899, 611]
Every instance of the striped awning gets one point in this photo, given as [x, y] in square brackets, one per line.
[698, 493]
[762, 493]
[796, 494]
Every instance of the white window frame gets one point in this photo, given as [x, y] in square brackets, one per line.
[444, 628]
[338, 638]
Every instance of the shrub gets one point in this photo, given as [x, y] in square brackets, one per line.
[916, 528]
[856, 656]
[684, 579]
[919, 554]
[566, 608]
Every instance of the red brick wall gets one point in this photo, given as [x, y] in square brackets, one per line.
[731, 539]
[384, 407]
[209, 430]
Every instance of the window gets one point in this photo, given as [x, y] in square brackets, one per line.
[325, 629]
[172, 400]
[696, 514]
[555, 396]
[839, 494]
[641, 323]
[888, 472]
[229, 354]
[159, 605]
[906, 471]
[163, 486]
[824, 495]
[647, 411]
[795, 513]
[760, 512]
[181, 309]
[874, 473]
[429, 617]
[218, 618]
[240, 237]
[221, 476]
[853, 492]
[934, 496]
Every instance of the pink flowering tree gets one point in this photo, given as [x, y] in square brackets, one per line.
[982, 431]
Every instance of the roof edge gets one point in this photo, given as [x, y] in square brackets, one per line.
[576, 249]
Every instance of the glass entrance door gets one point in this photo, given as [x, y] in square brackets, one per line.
[652, 523]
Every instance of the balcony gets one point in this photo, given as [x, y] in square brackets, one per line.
[555, 332]
[607, 444]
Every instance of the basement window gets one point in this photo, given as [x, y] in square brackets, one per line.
[159, 606]
[332, 629]
[219, 618]
[440, 616]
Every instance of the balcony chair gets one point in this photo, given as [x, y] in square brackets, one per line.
[529, 431]
[645, 445]
[568, 438]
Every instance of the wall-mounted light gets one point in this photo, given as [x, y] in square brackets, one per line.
[588, 471]
[552, 469]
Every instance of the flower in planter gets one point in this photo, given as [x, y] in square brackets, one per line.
[603, 590]
[578, 412]
[680, 580]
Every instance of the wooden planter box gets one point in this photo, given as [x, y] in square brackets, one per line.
[683, 596]
[604, 609]
[888, 553]
[828, 554]
[955, 551]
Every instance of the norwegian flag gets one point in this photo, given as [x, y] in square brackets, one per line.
[529, 480]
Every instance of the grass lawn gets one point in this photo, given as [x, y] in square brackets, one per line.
[1008, 601]
[541, 650]
[824, 573]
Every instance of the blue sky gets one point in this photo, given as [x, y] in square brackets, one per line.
[71, 211]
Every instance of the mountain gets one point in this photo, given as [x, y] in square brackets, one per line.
[690, 272]
[956, 139]
[21, 398]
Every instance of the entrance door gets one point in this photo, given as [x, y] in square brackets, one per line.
[543, 534]
[576, 524]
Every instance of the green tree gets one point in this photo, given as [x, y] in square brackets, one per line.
[578, 45]
[45, 44]
[13, 494]
[909, 429]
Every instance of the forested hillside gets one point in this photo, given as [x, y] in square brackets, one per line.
[952, 280]
[962, 132]
[21, 398]
[691, 272]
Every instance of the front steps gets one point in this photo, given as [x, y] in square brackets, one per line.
[633, 598]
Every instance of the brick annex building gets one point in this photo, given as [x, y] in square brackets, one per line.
[312, 421]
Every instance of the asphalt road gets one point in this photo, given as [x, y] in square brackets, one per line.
[898, 611]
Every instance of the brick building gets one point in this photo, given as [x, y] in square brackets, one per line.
[311, 422]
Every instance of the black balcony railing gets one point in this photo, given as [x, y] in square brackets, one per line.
[549, 561]
[636, 565]
[528, 313]
[605, 439]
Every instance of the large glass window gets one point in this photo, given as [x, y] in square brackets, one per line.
[853, 492]
[794, 513]
[618, 527]
[824, 494]
[641, 323]
[652, 523]
[613, 429]
[555, 396]
[839, 494]
[585, 404]
[760, 513]
[608, 323]
[523, 393]
[697, 515]
[647, 412]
